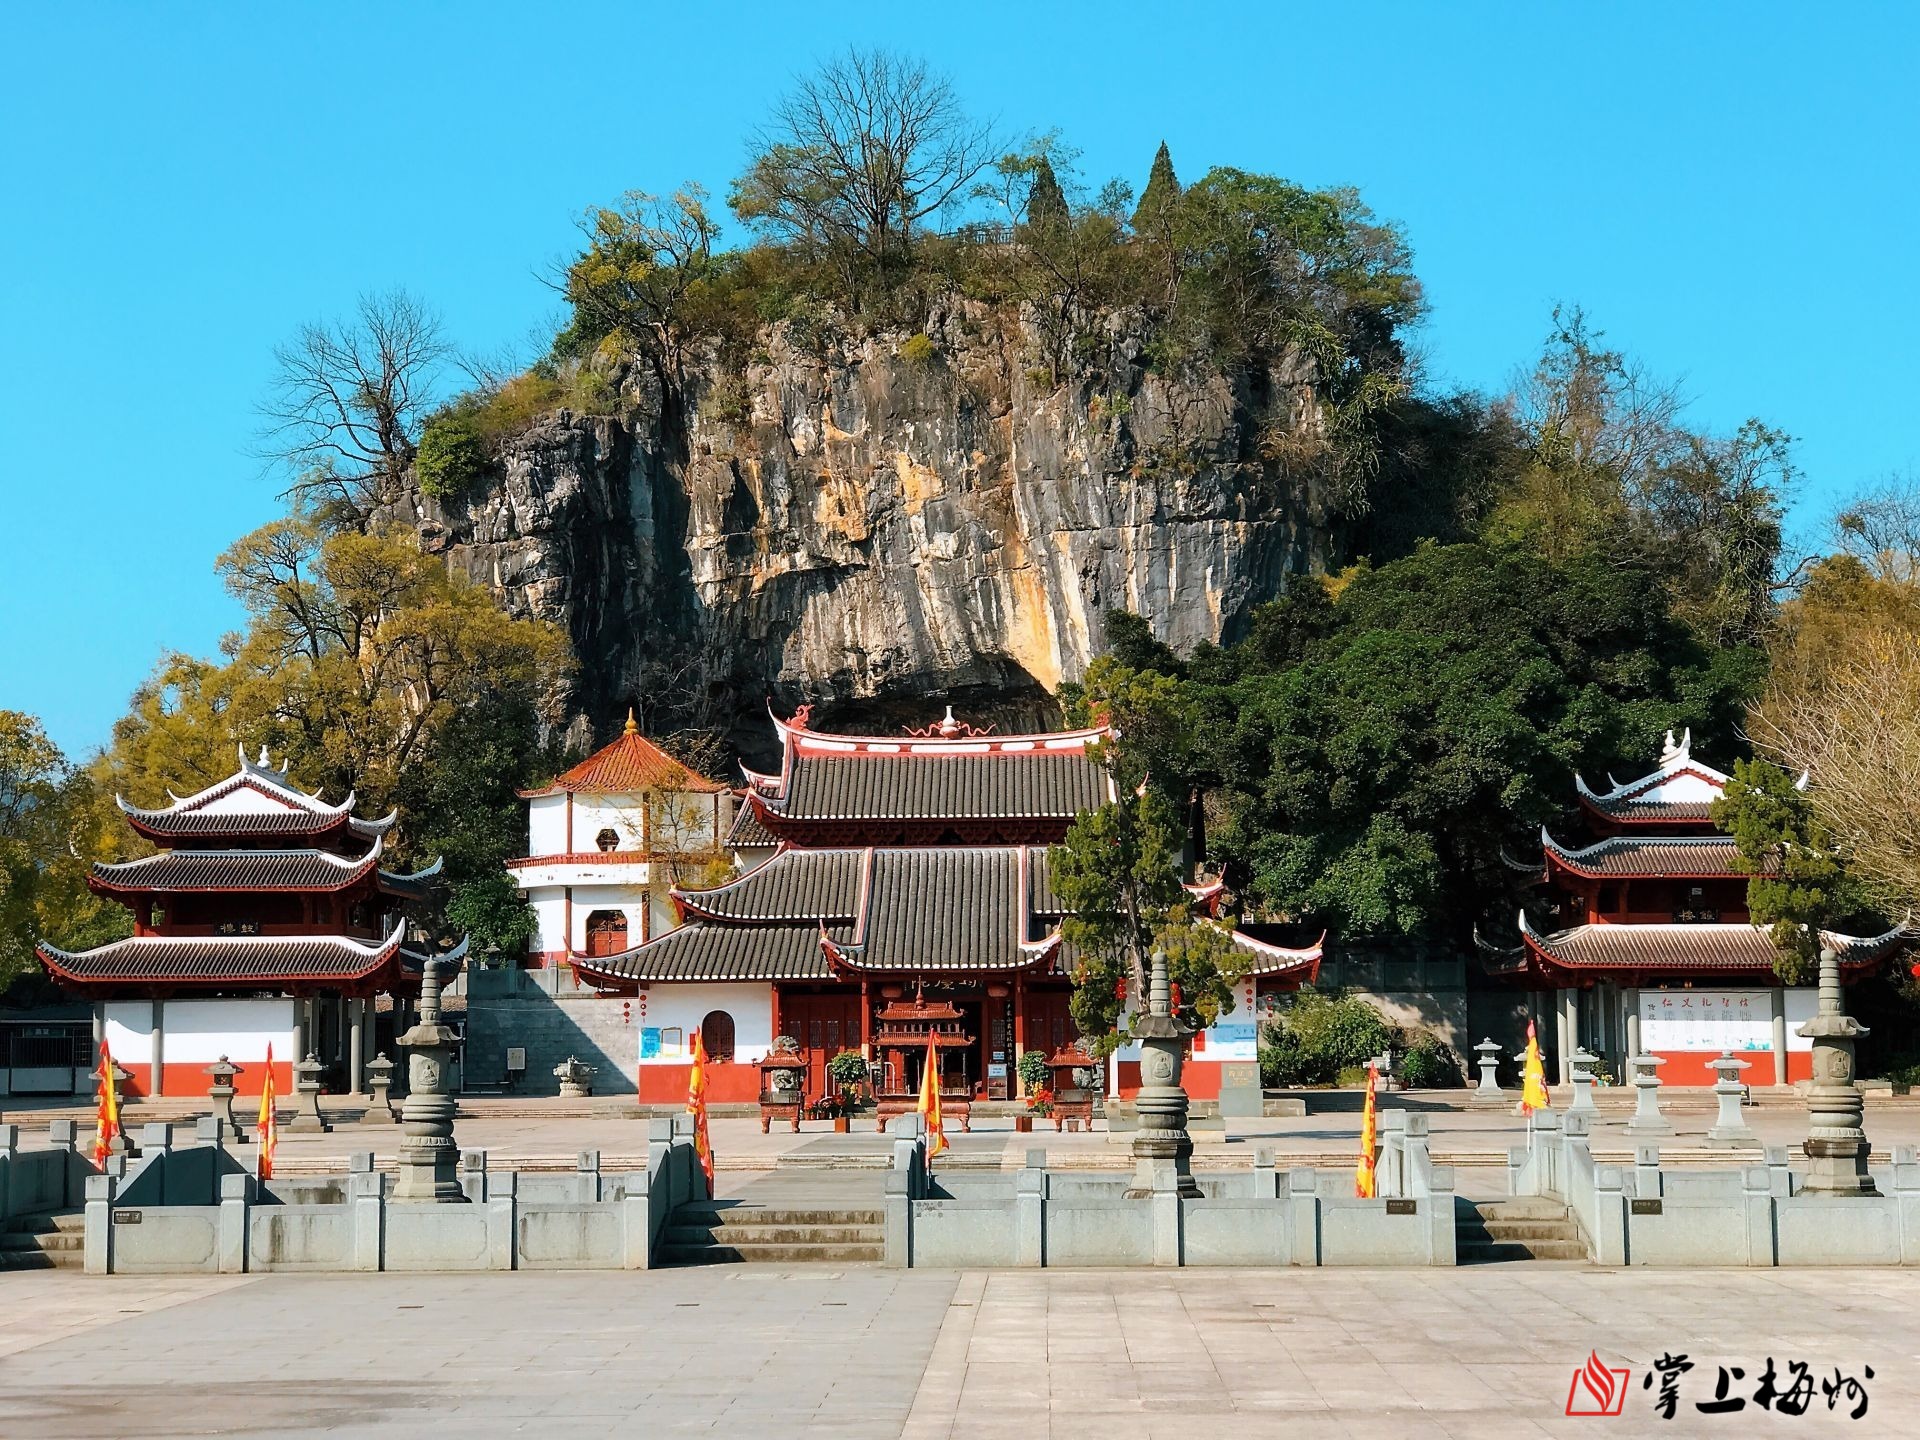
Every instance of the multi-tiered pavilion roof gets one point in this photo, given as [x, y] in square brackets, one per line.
[259, 886]
[918, 856]
[1661, 893]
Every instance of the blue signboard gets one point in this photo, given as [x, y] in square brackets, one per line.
[650, 1042]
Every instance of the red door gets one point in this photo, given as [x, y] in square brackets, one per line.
[824, 1025]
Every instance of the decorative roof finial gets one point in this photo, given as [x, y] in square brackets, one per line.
[632, 728]
[1668, 750]
[264, 762]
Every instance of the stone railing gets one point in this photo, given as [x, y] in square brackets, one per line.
[36, 1182]
[1752, 1215]
[1259, 1216]
[196, 1210]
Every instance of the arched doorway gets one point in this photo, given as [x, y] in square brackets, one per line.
[716, 1035]
[606, 932]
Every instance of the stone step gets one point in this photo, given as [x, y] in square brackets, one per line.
[1521, 1207]
[757, 1254]
[679, 1234]
[48, 1240]
[1500, 1230]
[754, 1215]
[34, 1258]
[1481, 1252]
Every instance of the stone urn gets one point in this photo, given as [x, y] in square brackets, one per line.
[575, 1077]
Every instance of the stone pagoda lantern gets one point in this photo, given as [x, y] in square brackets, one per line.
[1162, 1148]
[783, 1084]
[429, 1158]
[221, 1093]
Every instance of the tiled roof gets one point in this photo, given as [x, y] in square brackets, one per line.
[419, 885]
[175, 870]
[944, 909]
[631, 765]
[747, 832]
[992, 785]
[809, 885]
[1704, 857]
[1685, 948]
[1269, 960]
[165, 825]
[703, 951]
[1644, 812]
[224, 959]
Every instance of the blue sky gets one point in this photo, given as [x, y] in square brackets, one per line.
[1728, 189]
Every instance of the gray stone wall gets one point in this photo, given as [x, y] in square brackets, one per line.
[595, 1029]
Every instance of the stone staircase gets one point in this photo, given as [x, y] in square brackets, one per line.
[1522, 1228]
[44, 1242]
[709, 1234]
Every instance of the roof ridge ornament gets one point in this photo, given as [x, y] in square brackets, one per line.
[631, 727]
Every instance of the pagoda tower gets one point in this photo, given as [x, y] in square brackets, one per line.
[264, 918]
[1650, 949]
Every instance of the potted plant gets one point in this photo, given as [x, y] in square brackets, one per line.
[846, 1072]
[1035, 1075]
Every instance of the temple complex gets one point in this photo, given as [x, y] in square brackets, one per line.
[264, 918]
[606, 842]
[1642, 937]
[899, 887]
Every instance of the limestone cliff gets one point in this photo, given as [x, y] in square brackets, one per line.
[867, 529]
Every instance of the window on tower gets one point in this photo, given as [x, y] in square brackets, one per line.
[608, 839]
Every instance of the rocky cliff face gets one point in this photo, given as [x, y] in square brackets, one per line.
[870, 530]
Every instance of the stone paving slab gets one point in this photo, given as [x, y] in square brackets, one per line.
[773, 1352]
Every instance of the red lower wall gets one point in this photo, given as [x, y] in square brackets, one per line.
[726, 1084]
[1199, 1078]
[1689, 1067]
[191, 1080]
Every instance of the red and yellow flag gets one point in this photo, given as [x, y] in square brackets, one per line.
[1533, 1076]
[269, 1136]
[697, 1106]
[929, 1105]
[1363, 1172]
[106, 1123]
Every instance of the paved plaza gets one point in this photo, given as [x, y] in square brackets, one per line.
[1478, 1354]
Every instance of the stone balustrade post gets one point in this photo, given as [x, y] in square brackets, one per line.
[63, 1135]
[1609, 1237]
[473, 1176]
[1647, 1119]
[1303, 1205]
[1265, 1178]
[587, 1171]
[1730, 1125]
[636, 1222]
[98, 1224]
[1030, 1211]
[230, 1229]
[1646, 1172]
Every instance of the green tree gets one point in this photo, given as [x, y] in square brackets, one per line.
[1800, 882]
[1431, 717]
[1162, 191]
[1121, 868]
[1046, 201]
[856, 158]
[48, 832]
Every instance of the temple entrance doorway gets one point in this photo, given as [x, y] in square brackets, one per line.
[824, 1024]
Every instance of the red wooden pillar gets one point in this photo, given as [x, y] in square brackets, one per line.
[1019, 1086]
[775, 1004]
[866, 1019]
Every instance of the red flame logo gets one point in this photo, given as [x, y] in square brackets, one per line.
[1596, 1390]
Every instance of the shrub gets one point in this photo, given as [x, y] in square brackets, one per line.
[847, 1069]
[1320, 1038]
[1033, 1070]
[917, 349]
[1429, 1064]
[451, 457]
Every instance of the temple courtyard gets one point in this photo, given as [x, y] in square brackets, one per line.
[768, 1352]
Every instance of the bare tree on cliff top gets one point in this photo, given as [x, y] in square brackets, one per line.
[344, 408]
[856, 156]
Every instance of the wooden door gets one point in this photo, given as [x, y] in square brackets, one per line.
[824, 1025]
